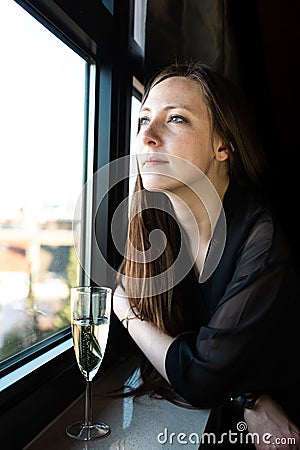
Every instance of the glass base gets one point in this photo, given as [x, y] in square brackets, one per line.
[83, 432]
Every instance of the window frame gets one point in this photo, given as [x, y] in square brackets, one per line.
[105, 41]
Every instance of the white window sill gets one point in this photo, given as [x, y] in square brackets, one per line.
[25, 369]
[144, 423]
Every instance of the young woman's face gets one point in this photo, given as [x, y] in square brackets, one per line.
[175, 126]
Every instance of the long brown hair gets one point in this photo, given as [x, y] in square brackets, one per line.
[231, 121]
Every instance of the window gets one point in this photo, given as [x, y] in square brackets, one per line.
[109, 5]
[140, 8]
[42, 91]
[135, 111]
[65, 90]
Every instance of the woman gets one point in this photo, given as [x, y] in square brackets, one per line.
[218, 327]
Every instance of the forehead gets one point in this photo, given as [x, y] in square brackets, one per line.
[175, 90]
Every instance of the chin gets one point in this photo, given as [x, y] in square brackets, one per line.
[156, 183]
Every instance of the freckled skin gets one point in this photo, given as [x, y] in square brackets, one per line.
[174, 120]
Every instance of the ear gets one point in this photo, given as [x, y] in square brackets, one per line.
[222, 154]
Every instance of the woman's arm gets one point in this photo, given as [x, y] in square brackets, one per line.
[239, 351]
[274, 428]
[152, 342]
[267, 419]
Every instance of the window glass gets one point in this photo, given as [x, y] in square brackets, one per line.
[140, 9]
[135, 111]
[109, 5]
[42, 90]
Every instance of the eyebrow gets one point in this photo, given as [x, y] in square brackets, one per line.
[168, 107]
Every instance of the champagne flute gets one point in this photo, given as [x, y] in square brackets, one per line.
[90, 319]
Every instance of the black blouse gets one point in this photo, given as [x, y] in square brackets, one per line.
[244, 318]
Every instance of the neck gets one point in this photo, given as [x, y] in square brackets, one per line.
[197, 209]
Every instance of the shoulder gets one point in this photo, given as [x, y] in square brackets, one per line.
[249, 212]
[254, 230]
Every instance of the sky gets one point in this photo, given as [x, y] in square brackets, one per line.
[42, 85]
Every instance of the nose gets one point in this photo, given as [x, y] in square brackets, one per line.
[151, 135]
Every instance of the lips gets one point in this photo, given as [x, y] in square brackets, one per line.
[153, 161]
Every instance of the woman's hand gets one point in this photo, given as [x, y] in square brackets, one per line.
[274, 428]
[153, 342]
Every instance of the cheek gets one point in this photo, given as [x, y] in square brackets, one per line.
[203, 145]
[190, 148]
[201, 156]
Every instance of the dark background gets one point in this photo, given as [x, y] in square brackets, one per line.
[256, 44]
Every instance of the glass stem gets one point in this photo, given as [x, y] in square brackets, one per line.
[88, 403]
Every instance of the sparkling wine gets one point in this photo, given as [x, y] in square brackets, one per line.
[90, 340]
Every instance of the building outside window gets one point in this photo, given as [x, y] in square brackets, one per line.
[42, 91]
[63, 114]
